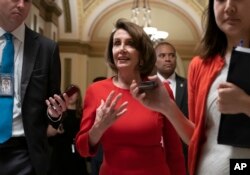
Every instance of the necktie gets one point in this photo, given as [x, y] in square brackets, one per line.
[170, 85]
[167, 82]
[6, 102]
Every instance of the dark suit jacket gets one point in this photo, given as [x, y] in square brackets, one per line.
[181, 99]
[181, 96]
[41, 75]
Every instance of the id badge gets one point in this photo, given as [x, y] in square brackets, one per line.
[6, 85]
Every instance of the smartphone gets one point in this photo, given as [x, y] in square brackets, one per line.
[71, 90]
[147, 85]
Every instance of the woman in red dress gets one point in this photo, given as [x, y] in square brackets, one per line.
[135, 140]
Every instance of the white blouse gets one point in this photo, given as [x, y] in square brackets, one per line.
[215, 158]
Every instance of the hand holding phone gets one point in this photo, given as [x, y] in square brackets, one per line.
[71, 90]
[147, 85]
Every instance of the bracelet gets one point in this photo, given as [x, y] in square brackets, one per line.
[53, 119]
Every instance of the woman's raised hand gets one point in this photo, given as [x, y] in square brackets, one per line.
[108, 111]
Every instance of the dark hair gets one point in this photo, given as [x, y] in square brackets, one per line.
[165, 43]
[214, 41]
[142, 43]
[78, 102]
[98, 79]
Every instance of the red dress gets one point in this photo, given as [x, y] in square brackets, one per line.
[133, 144]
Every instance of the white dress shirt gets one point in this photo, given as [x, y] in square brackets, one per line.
[18, 40]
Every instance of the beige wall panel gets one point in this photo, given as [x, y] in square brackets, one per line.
[51, 31]
[78, 69]
[185, 66]
[75, 13]
[96, 67]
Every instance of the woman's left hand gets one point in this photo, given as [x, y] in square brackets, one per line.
[232, 99]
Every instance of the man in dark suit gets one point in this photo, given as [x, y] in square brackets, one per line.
[36, 77]
[165, 66]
